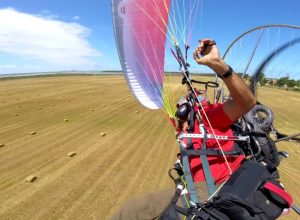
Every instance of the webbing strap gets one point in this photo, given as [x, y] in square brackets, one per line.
[212, 152]
[188, 177]
[207, 173]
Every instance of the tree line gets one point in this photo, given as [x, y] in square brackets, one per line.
[281, 82]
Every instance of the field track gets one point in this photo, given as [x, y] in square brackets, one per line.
[68, 114]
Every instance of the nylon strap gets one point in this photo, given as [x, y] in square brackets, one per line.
[188, 176]
[212, 152]
[208, 176]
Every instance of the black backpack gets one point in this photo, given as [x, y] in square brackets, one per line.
[252, 193]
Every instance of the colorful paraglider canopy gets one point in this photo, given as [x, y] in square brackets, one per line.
[140, 30]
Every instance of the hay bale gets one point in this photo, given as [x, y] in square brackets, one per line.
[15, 115]
[66, 120]
[39, 108]
[30, 179]
[102, 134]
[2, 145]
[19, 106]
[33, 133]
[137, 112]
[52, 105]
[71, 154]
[91, 109]
[103, 106]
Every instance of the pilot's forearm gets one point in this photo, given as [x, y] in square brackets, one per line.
[239, 91]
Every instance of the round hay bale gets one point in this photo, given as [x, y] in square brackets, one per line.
[71, 154]
[103, 106]
[39, 108]
[52, 105]
[30, 179]
[137, 112]
[19, 106]
[33, 133]
[2, 145]
[102, 134]
[15, 115]
[91, 109]
[66, 120]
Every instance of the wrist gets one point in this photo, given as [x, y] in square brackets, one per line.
[219, 67]
[226, 74]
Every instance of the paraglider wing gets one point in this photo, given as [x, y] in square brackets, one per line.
[140, 30]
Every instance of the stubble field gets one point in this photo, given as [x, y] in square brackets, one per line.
[42, 119]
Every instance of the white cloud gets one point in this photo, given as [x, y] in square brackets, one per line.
[44, 39]
[47, 14]
[76, 17]
[7, 66]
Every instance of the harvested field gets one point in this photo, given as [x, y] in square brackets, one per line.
[122, 149]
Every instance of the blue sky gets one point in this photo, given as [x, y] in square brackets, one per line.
[54, 35]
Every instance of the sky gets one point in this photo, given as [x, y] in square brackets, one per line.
[62, 35]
